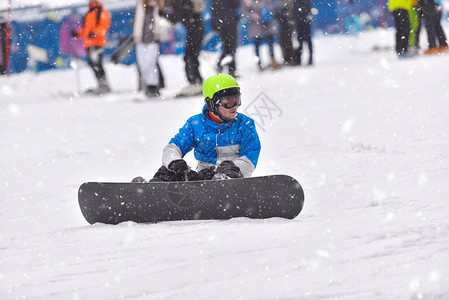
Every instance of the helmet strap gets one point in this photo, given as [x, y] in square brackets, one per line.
[213, 107]
[225, 120]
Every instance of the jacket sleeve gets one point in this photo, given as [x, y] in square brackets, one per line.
[182, 143]
[249, 149]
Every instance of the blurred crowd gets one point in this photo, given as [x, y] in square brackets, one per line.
[266, 22]
[408, 18]
[289, 22]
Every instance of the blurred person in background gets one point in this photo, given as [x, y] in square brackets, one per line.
[146, 38]
[400, 11]
[94, 33]
[284, 14]
[302, 14]
[225, 19]
[261, 27]
[188, 12]
[435, 34]
[441, 36]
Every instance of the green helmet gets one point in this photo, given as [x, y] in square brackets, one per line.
[217, 86]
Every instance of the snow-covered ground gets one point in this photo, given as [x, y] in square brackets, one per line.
[366, 134]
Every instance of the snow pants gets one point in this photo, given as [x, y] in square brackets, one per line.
[434, 29]
[95, 61]
[402, 23]
[194, 43]
[147, 56]
[304, 32]
[228, 35]
[430, 18]
[258, 41]
[441, 36]
[285, 40]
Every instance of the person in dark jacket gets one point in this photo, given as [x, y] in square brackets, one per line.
[302, 14]
[284, 14]
[224, 21]
[188, 12]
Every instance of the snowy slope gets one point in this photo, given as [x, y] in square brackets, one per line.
[366, 134]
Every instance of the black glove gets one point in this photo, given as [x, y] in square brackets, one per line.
[179, 167]
[228, 168]
[91, 34]
[192, 176]
[163, 174]
[73, 33]
[207, 174]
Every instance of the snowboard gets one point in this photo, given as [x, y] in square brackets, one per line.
[125, 46]
[256, 197]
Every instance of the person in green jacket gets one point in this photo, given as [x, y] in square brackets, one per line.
[415, 22]
[400, 11]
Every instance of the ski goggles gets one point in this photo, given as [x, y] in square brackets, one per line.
[229, 102]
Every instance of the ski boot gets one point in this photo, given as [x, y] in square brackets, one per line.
[152, 91]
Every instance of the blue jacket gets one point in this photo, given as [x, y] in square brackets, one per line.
[236, 140]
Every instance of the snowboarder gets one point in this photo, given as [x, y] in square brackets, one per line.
[94, 32]
[146, 37]
[225, 143]
[188, 12]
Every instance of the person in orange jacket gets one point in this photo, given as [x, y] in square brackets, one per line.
[94, 33]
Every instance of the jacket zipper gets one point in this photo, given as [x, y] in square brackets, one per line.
[216, 143]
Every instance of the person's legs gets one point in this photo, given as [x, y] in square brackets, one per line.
[441, 36]
[402, 22]
[257, 42]
[430, 19]
[285, 40]
[95, 61]
[273, 63]
[302, 33]
[195, 32]
[298, 52]
[229, 37]
[147, 55]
